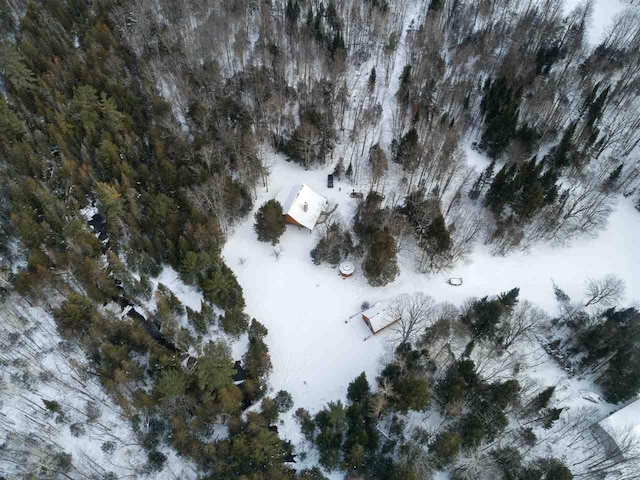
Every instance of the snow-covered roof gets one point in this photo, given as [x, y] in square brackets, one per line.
[625, 419]
[304, 205]
[347, 268]
[378, 317]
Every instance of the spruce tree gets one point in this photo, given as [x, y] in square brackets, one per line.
[405, 83]
[611, 183]
[338, 171]
[500, 105]
[371, 84]
[349, 172]
[476, 188]
[437, 239]
[270, 223]
[380, 265]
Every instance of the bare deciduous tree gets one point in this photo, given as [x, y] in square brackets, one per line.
[521, 323]
[411, 314]
[605, 291]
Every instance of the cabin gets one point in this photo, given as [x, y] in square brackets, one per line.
[303, 206]
[378, 318]
[614, 428]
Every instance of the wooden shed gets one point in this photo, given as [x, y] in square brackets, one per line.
[377, 318]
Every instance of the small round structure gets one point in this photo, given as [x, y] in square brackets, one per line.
[347, 269]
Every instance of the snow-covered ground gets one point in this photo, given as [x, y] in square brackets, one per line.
[316, 354]
[191, 297]
[37, 367]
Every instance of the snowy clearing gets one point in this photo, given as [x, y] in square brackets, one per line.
[315, 354]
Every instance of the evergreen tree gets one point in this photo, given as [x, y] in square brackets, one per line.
[349, 172]
[500, 105]
[611, 183]
[380, 265]
[485, 315]
[76, 315]
[476, 188]
[596, 108]
[541, 400]
[338, 171]
[283, 401]
[19, 76]
[292, 11]
[436, 239]
[172, 383]
[337, 44]
[331, 423]
[407, 151]
[234, 321]
[214, 369]
[358, 389]
[405, 84]
[371, 83]
[270, 224]
[445, 447]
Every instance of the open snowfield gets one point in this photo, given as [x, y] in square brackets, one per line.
[315, 354]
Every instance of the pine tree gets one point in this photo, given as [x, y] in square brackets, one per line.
[172, 383]
[445, 447]
[11, 128]
[337, 43]
[405, 82]
[349, 172]
[214, 369]
[596, 108]
[476, 188]
[407, 151]
[13, 68]
[358, 389]
[561, 154]
[542, 399]
[380, 265]
[500, 106]
[437, 239]
[283, 401]
[611, 183]
[338, 171]
[234, 321]
[270, 224]
[371, 84]
[292, 11]
[500, 191]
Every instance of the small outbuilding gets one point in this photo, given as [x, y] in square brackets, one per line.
[378, 318]
[347, 269]
[455, 281]
[303, 206]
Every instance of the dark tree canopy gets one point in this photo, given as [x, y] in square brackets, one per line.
[270, 223]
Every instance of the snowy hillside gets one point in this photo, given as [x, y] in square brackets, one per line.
[320, 239]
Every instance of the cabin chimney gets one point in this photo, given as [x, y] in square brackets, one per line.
[305, 207]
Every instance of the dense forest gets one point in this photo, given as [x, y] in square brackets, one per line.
[135, 135]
